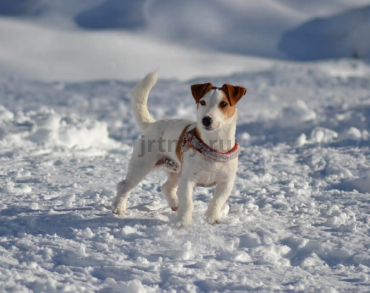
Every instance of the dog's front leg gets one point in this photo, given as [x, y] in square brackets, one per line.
[222, 193]
[185, 197]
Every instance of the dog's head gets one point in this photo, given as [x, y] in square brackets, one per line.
[216, 106]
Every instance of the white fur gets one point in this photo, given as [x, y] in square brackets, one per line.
[194, 169]
[139, 100]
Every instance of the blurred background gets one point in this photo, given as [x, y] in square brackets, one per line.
[69, 40]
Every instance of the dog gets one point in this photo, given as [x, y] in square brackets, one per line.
[192, 153]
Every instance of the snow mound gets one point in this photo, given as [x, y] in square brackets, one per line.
[54, 129]
[323, 135]
[49, 128]
[352, 133]
[342, 35]
[296, 113]
[361, 184]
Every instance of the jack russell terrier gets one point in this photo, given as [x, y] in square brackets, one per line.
[192, 153]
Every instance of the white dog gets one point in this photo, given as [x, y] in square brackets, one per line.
[201, 153]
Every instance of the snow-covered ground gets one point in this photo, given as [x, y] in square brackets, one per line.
[298, 219]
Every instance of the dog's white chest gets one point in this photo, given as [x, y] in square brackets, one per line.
[209, 172]
[207, 180]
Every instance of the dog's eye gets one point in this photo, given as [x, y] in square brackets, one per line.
[203, 103]
[223, 104]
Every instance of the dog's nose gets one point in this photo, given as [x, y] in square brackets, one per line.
[207, 121]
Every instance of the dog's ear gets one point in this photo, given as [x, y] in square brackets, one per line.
[199, 90]
[233, 93]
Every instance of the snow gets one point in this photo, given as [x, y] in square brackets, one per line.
[297, 220]
[335, 36]
[67, 40]
[59, 55]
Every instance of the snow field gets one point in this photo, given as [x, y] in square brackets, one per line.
[297, 220]
[66, 40]
[53, 54]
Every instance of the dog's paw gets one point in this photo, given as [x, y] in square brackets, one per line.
[119, 211]
[180, 224]
[213, 218]
[213, 221]
[184, 222]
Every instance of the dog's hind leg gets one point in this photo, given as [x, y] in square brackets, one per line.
[169, 189]
[138, 168]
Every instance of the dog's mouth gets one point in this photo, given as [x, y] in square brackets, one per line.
[212, 127]
[209, 128]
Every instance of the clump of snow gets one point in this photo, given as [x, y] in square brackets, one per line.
[25, 188]
[361, 184]
[49, 128]
[301, 140]
[127, 230]
[250, 240]
[336, 221]
[323, 135]
[245, 136]
[68, 200]
[352, 133]
[313, 261]
[136, 286]
[87, 233]
[5, 114]
[53, 129]
[34, 206]
[296, 113]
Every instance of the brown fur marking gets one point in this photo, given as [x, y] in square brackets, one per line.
[233, 93]
[228, 111]
[197, 132]
[179, 144]
[199, 90]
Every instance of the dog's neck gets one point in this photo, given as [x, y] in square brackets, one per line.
[223, 139]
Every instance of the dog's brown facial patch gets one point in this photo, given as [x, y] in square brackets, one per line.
[228, 110]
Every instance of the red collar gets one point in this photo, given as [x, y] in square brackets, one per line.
[200, 146]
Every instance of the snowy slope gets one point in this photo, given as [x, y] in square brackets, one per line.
[297, 220]
[68, 40]
[343, 35]
[246, 27]
[40, 53]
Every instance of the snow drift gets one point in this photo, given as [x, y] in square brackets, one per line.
[343, 35]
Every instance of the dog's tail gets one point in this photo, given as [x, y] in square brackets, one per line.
[139, 100]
